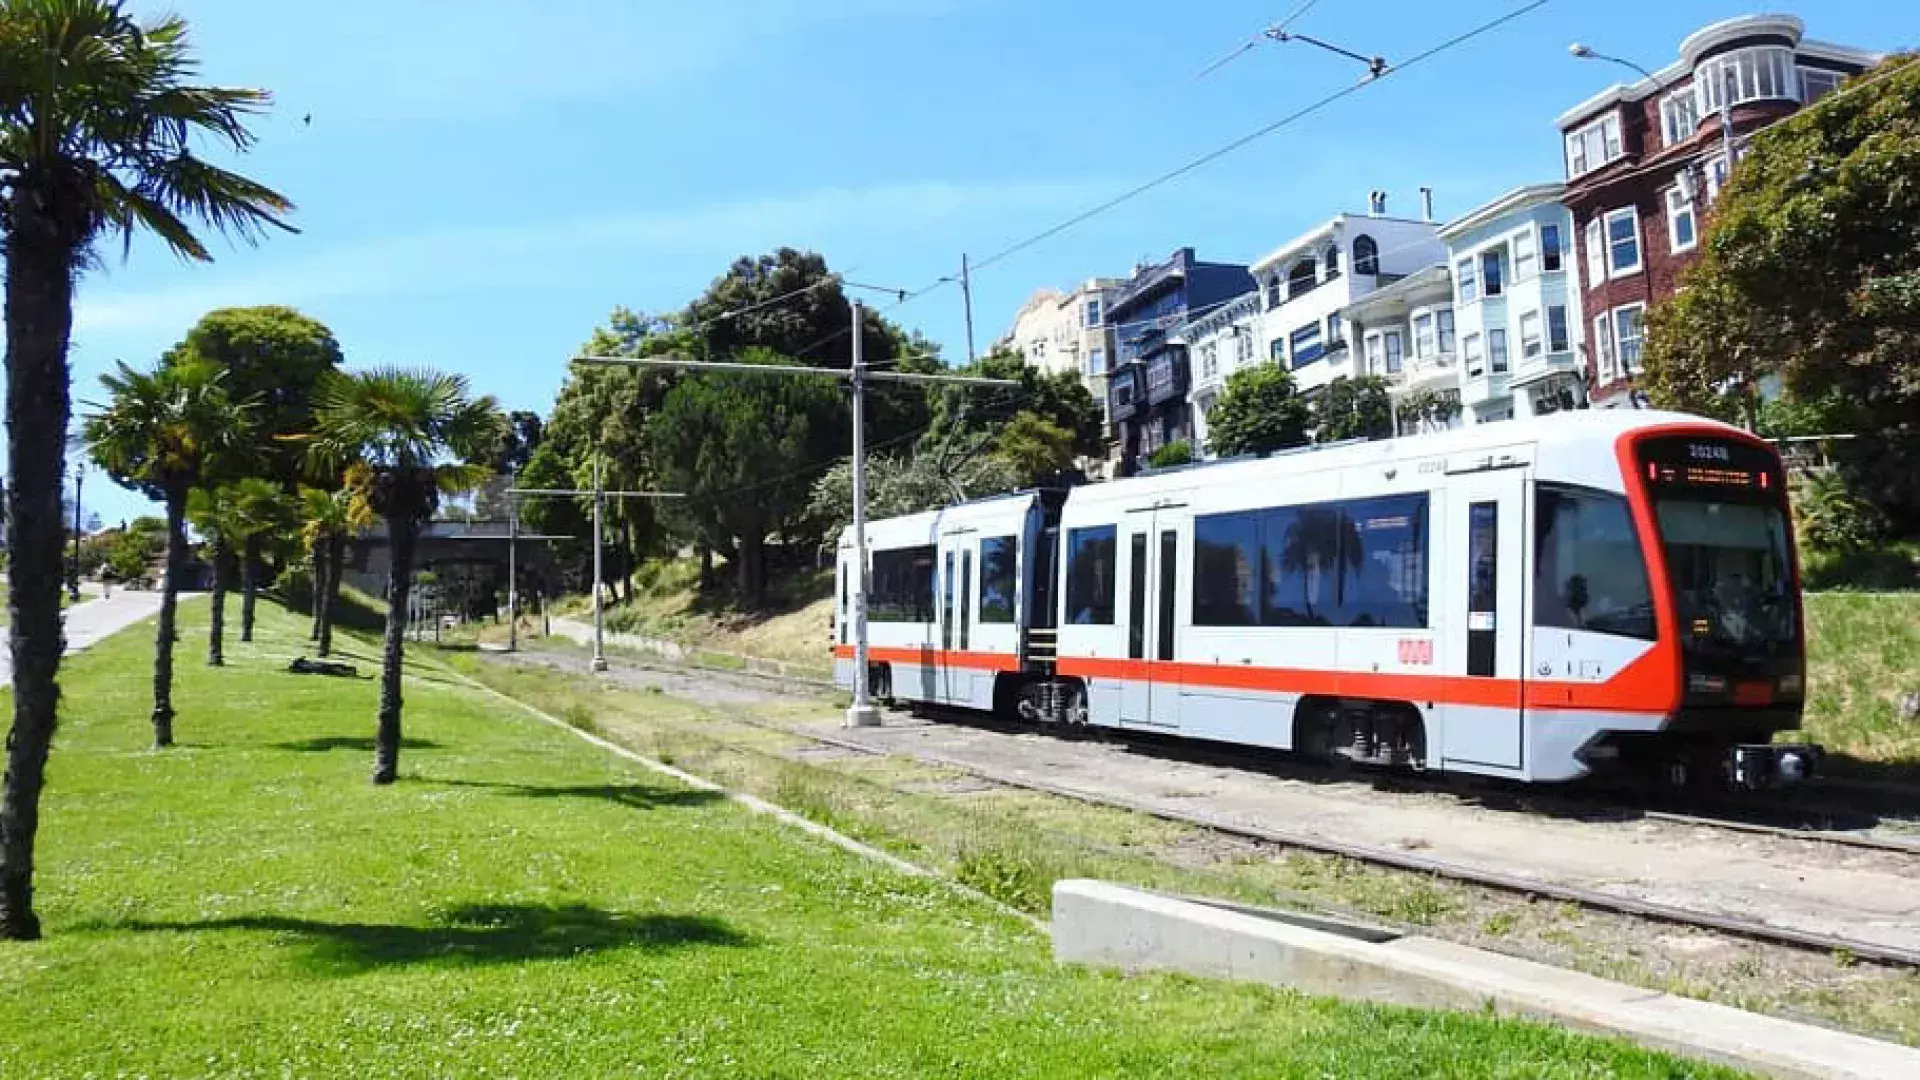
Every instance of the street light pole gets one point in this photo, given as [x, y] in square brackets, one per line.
[599, 622]
[73, 578]
[513, 576]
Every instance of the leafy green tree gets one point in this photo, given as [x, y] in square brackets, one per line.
[1177, 452]
[1811, 272]
[905, 484]
[261, 510]
[1035, 448]
[211, 510]
[273, 356]
[163, 433]
[730, 443]
[1353, 409]
[399, 427]
[130, 552]
[99, 117]
[963, 417]
[1259, 412]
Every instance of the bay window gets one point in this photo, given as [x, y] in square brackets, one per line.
[1682, 227]
[1530, 343]
[1593, 145]
[1623, 242]
[1596, 254]
[1628, 333]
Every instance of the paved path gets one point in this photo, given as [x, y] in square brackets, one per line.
[91, 620]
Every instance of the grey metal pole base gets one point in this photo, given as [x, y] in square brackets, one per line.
[599, 663]
[863, 716]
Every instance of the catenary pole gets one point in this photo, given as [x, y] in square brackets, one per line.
[599, 494]
[513, 574]
[966, 295]
[599, 619]
[861, 713]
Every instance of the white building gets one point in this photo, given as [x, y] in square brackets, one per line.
[1062, 331]
[1219, 343]
[1408, 336]
[1307, 282]
[1517, 305]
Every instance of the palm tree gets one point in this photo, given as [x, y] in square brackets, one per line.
[97, 122]
[212, 512]
[260, 509]
[401, 425]
[163, 434]
[330, 517]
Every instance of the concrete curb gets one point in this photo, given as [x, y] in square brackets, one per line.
[1109, 925]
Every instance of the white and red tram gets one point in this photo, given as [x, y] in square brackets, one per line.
[1535, 599]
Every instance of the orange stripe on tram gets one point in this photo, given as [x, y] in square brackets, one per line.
[927, 656]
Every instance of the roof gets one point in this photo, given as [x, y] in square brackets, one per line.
[1520, 198]
[1313, 237]
[1012, 505]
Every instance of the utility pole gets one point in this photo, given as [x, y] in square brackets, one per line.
[862, 713]
[599, 615]
[966, 293]
[600, 495]
[513, 575]
[73, 578]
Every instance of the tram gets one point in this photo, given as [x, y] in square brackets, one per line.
[1541, 599]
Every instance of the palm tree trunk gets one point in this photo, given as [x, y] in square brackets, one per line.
[329, 604]
[39, 314]
[317, 576]
[165, 636]
[249, 584]
[386, 739]
[217, 621]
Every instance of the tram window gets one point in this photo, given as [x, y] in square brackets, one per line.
[1589, 573]
[1090, 569]
[901, 587]
[1304, 555]
[1226, 570]
[999, 579]
[1390, 575]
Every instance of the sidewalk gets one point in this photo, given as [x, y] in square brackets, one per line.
[91, 620]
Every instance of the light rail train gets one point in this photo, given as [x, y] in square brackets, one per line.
[1537, 599]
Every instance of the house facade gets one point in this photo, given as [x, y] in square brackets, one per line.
[1148, 381]
[1408, 335]
[1057, 330]
[1306, 284]
[1645, 161]
[1219, 343]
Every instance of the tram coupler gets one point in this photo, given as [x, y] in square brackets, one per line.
[1758, 766]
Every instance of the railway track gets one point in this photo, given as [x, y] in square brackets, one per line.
[1263, 836]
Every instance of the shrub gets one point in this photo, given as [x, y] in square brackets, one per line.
[1178, 452]
[1831, 517]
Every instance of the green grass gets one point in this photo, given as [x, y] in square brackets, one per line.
[1863, 656]
[524, 904]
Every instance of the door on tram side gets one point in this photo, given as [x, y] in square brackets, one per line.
[1150, 565]
[1485, 616]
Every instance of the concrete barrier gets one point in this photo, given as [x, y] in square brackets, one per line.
[1108, 925]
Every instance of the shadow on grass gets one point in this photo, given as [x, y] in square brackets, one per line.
[632, 796]
[320, 744]
[474, 934]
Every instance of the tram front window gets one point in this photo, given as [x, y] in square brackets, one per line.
[1731, 578]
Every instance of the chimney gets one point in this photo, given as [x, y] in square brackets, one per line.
[1376, 203]
[1426, 204]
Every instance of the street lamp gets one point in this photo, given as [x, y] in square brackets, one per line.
[73, 576]
[1582, 52]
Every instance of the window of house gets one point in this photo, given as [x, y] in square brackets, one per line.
[1530, 342]
[1465, 281]
[1331, 259]
[1623, 241]
[1524, 255]
[1497, 350]
[1628, 332]
[1396, 346]
[1679, 116]
[1603, 347]
[1557, 329]
[1596, 253]
[1209, 361]
[1366, 255]
[1277, 350]
[1718, 170]
[1242, 347]
[1302, 278]
[1594, 145]
[1490, 280]
[1037, 350]
[1681, 224]
[1424, 342]
[1549, 248]
[1470, 352]
[1096, 361]
[1307, 345]
[1160, 373]
[999, 578]
[1090, 572]
[1445, 316]
[1093, 312]
[1273, 293]
[1762, 73]
[1816, 84]
[1335, 339]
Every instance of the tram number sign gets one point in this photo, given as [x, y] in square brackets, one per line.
[1416, 652]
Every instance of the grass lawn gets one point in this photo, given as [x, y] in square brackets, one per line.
[524, 904]
[1863, 655]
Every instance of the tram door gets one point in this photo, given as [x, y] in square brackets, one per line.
[1485, 615]
[1150, 565]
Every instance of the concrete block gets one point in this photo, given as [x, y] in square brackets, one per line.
[1108, 925]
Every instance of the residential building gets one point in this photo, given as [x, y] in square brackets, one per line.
[1406, 334]
[1219, 342]
[1516, 304]
[1308, 281]
[1646, 159]
[1147, 385]
[1068, 331]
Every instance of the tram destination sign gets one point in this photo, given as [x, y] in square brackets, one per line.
[1710, 464]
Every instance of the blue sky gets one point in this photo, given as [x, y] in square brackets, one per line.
[481, 184]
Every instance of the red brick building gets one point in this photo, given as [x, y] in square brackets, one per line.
[1645, 160]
